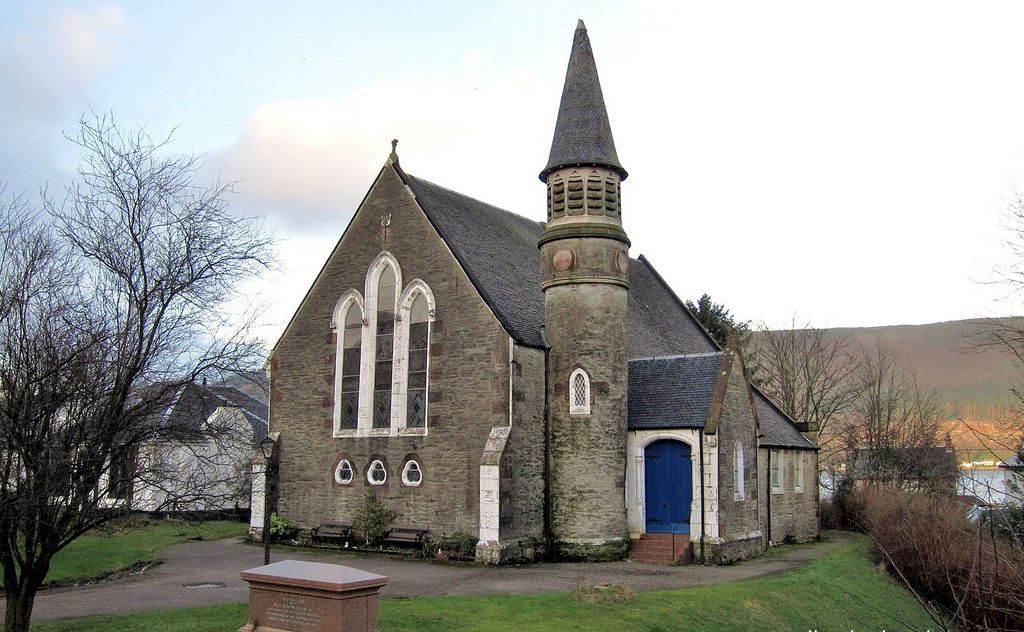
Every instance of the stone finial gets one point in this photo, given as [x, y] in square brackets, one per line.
[394, 150]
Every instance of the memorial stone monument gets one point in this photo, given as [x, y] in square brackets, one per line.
[293, 596]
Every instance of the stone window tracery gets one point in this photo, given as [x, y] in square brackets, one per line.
[412, 474]
[343, 474]
[376, 474]
[579, 393]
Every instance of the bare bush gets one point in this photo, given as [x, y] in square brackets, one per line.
[967, 571]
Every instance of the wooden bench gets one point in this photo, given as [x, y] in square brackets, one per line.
[332, 531]
[400, 535]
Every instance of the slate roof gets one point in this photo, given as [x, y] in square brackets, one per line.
[498, 251]
[583, 135]
[777, 429]
[188, 406]
[672, 391]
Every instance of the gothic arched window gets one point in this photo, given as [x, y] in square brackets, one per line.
[412, 474]
[384, 355]
[738, 470]
[348, 329]
[579, 393]
[419, 342]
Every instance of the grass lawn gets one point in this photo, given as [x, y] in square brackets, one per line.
[842, 591]
[98, 554]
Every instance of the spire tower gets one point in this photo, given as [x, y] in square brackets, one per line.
[584, 255]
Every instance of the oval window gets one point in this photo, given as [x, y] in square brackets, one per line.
[376, 474]
[343, 473]
[412, 475]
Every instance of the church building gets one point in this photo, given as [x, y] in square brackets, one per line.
[530, 384]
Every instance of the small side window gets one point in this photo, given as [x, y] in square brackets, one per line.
[376, 474]
[412, 474]
[738, 473]
[579, 393]
[343, 474]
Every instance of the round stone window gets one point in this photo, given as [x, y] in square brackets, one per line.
[376, 474]
[412, 475]
[343, 474]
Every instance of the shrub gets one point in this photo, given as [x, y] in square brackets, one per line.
[281, 527]
[969, 570]
[373, 519]
[458, 544]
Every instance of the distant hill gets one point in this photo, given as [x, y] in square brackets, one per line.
[974, 382]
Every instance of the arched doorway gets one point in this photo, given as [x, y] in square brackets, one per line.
[668, 486]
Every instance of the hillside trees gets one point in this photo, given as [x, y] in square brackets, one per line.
[809, 373]
[109, 301]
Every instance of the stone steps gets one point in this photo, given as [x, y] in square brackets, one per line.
[658, 548]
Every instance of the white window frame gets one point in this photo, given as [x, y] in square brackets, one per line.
[369, 349]
[345, 303]
[778, 464]
[405, 473]
[370, 469]
[739, 469]
[575, 409]
[400, 371]
[351, 473]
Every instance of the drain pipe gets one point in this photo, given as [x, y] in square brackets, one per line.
[549, 553]
[700, 436]
[769, 530]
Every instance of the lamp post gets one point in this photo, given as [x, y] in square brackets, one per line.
[267, 447]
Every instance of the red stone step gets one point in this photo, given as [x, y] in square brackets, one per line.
[660, 548]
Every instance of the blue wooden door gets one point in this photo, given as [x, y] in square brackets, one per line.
[668, 486]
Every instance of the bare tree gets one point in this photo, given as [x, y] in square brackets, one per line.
[110, 301]
[808, 373]
[894, 426]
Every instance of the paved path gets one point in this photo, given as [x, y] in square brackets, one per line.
[206, 573]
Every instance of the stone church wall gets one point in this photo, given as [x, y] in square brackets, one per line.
[794, 515]
[738, 520]
[521, 467]
[468, 383]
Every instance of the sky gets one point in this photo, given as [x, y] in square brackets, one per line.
[838, 164]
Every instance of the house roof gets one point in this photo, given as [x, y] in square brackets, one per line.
[583, 135]
[186, 408]
[1013, 462]
[498, 250]
[672, 391]
[920, 463]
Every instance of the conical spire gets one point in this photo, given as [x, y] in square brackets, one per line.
[583, 135]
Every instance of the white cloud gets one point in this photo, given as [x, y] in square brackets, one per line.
[86, 40]
[311, 162]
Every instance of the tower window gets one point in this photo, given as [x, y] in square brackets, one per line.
[343, 474]
[376, 474]
[579, 393]
[412, 474]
